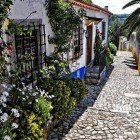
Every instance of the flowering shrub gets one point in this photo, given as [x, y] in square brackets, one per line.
[8, 116]
[23, 112]
[62, 103]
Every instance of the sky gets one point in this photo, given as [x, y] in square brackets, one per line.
[115, 6]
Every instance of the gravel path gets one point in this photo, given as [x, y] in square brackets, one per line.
[111, 111]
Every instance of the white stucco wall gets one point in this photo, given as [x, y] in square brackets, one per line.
[90, 13]
[22, 9]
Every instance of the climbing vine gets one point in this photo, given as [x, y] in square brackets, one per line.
[5, 47]
[64, 20]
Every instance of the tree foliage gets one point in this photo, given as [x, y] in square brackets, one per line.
[132, 23]
[115, 30]
[132, 2]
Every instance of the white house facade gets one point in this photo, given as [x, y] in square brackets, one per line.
[29, 11]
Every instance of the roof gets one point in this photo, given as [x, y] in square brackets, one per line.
[90, 6]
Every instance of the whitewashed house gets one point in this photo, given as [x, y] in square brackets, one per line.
[95, 17]
[28, 11]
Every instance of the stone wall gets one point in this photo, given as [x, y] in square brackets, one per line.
[135, 48]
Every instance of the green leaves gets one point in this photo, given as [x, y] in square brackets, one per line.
[132, 22]
[64, 21]
[132, 2]
[43, 108]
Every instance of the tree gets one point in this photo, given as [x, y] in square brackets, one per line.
[133, 2]
[132, 23]
[115, 30]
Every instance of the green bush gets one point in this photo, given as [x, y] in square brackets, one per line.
[78, 88]
[62, 101]
[113, 48]
[109, 58]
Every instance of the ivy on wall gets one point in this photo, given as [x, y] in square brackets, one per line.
[64, 20]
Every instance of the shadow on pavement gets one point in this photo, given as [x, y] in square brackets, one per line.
[131, 63]
[63, 127]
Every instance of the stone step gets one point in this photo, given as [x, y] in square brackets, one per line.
[93, 72]
[91, 81]
[94, 69]
[92, 75]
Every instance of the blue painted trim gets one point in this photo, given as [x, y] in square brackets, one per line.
[79, 73]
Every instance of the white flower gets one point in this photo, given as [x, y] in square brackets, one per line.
[17, 115]
[6, 94]
[5, 114]
[52, 96]
[51, 107]
[4, 117]
[13, 85]
[2, 99]
[34, 94]
[56, 61]
[30, 103]
[23, 99]
[19, 89]
[9, 88]
[23, 93]
[30, 87]
[14, 110]
[7, 137]
[36, 100]
[0, 111]
[4, 105]
[14, 125]
[4, 85]
[23, 84]
[42, 92]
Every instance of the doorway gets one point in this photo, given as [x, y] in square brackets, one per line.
[89, 44]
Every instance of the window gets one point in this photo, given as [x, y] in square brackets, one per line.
[31, 52]
[103, 29]
[78, 42]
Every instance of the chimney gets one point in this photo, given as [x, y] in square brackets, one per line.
[106, 7]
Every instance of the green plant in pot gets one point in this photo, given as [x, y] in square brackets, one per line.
[98, 48]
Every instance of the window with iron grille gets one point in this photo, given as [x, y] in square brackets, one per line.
[31, 52]
[78, 42]
[103, 29]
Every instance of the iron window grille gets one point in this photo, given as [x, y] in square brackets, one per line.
[78, 43]
[103, 29]
[31, 52]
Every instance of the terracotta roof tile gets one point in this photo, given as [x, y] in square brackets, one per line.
[90, 6]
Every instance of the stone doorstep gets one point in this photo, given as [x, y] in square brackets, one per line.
[92, 75]
[91, 81]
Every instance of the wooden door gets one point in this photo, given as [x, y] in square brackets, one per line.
[89, 44]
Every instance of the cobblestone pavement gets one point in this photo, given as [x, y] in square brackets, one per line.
[111, 111]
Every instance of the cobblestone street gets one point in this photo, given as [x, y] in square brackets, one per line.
[111, 111]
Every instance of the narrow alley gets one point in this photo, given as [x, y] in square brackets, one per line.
[111, 111]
